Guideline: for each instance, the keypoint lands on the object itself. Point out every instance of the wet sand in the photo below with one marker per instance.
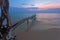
(51, 34)
(37, 32)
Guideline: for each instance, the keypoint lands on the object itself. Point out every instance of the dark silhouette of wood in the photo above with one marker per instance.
(5, 13)
(4, 5)
(22, 21)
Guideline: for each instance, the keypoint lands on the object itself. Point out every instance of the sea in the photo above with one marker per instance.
(47, 18)
(52, 18)
(47, 21)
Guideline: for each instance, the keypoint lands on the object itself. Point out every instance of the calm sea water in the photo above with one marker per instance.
(48, 20)
(15, 17)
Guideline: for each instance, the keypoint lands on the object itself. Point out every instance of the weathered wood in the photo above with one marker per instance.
(13, 27)
(4, 4)
(21, 21)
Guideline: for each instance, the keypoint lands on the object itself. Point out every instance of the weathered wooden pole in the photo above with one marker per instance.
(4, 4)
(5, 13)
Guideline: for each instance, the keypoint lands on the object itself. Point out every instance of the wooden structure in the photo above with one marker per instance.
(4, 5)
(6, 30)
(13, 27)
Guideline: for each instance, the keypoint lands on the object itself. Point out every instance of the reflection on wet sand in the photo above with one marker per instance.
(49, 20)
(46, 27)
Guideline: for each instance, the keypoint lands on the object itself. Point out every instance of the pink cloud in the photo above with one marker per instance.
(47, 6)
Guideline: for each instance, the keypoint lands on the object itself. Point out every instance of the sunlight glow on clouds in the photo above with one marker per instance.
(26, 6)
(43, 6)
(46, 6)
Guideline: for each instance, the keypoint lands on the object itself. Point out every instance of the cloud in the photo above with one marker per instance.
(23, 5)
(47, 6)
(42, 6)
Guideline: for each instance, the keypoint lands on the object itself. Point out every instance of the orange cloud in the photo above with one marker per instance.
(47, 6)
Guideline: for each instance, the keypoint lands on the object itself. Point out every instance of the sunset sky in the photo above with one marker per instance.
(45, 4)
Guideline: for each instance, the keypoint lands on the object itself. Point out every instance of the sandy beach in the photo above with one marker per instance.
(42, 32)
(51, 34)
(45, 28)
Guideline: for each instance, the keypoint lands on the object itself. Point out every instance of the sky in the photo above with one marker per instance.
(44, 4)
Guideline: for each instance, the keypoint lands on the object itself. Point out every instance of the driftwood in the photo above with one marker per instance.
(13, 27)
(4, 5)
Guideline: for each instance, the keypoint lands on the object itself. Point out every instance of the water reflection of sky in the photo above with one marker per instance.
(46, 15)
(49, 19)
